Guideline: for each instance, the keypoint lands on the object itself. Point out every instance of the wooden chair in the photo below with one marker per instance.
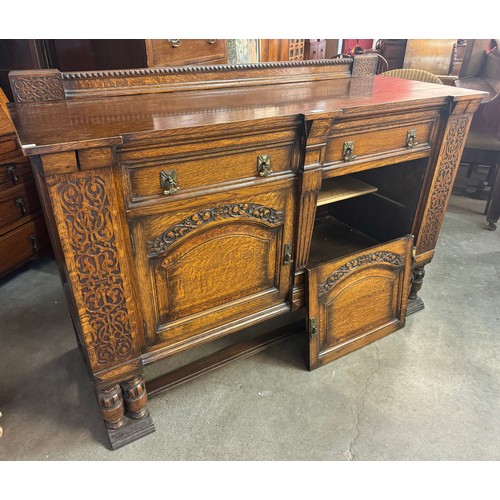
(482, 147)
(420, 75)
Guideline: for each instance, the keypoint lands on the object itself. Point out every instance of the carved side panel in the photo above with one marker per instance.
(37, 85)
(442, 183)
(365, 65)
(91, 241)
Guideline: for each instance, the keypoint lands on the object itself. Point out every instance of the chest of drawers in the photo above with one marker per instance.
(188, 204)
(22, 228)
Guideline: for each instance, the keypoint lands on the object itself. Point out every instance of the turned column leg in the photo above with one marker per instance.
(415, 303)
(111, 404)
(123, 408)
(135, 397)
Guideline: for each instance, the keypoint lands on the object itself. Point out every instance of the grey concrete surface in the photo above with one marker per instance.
(430, 391)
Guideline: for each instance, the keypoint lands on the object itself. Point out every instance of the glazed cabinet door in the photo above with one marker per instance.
(215, 264)
(357, 299)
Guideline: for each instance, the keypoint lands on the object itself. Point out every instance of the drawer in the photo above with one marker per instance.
(14, 172)
(185, 52)
(150, 180)
(21, 244)
(18, 202)
(357, 299)
(374, 139)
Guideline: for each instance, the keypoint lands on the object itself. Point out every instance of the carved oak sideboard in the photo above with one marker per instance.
(185, 204)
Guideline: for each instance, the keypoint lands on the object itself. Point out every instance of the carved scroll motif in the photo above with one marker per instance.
(161, 244)
(443, 183)
(369, 258)
(37, 87)
(86, 210)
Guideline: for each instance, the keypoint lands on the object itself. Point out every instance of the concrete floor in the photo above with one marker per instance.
(428, 392)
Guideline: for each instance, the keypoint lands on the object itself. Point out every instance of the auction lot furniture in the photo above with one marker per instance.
(23, 234)
(185, 204)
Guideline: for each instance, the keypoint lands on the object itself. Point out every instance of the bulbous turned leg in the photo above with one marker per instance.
(415, 303)
(111, 404)
(124, 410)
(135, 396)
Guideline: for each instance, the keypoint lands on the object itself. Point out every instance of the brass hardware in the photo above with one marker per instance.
(411, 138)
(168, 181)
(21, 204)
(33, 239)
(413, 252)
(287, 258)
(312, 327)
(348, 151)
(11, 170)
(264, 165)
(174, 42)
(211, 42)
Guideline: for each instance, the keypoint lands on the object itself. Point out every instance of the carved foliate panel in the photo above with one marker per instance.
(362, 260)
(42, 85)
(160, 245)
(89, 240)
(443, 182)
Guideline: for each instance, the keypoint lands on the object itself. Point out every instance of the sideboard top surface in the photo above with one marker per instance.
(45, 127)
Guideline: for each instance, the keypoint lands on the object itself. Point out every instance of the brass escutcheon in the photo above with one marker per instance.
(174, 42)
(348, 151)
(264, 165)
(168, 181)
(411, 138)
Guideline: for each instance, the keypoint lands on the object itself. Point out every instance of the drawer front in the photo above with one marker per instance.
(182, 52)
(376, 138)
(357, 299)
(18, 202)
(21, 244)
(14, 172)
(153, 180)
(213, 264)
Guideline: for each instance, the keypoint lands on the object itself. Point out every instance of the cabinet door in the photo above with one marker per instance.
(215, 265)
(357, 299)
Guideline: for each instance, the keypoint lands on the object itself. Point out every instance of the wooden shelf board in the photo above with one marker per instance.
(343, 188)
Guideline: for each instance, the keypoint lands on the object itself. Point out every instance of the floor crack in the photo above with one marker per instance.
(350, 454)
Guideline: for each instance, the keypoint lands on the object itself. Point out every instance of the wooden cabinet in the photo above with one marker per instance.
(22, 229)
(188, 204)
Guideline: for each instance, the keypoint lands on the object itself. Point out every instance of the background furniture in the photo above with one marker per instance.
(184, 216)
(23, 234)
(185, 52)
(482, 147)
(418, 75)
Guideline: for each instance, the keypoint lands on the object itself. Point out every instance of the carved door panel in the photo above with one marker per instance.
(357, 299)
(215, 266)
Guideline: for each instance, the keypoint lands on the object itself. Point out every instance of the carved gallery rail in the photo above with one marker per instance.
(187, 204)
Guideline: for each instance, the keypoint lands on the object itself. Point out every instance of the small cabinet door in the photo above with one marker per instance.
(215, 264)
(357, 299)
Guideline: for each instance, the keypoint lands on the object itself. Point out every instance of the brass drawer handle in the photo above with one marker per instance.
(348, 151)
(411, 138)
(168, 182)
(174, 42)
(11, 170)
(33, 239)
(212, 41)
(264, 165)
(20, 203)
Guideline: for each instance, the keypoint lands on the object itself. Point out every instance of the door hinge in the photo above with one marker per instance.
(287, 254)
(312, 327)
